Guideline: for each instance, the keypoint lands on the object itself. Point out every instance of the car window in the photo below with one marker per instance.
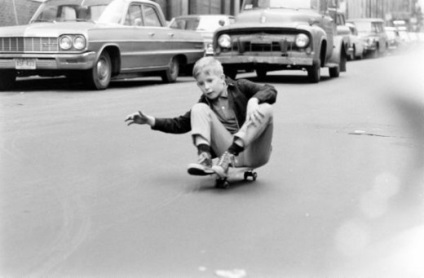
(380, 27)
(377, 27)
(151, 17)
(58, 13)
(187, 23)
(67, 13)
(211, 23)
(112, 13)
(340, 20)
(134, 16)
(94, 12)
(363, 27)
(353, 30)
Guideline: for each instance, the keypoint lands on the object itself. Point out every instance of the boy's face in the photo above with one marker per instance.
(212, 85)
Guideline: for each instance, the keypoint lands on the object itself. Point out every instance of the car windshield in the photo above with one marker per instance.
(391, 34)
(365, 27)
(277, 4)
(208, 23)
(79, 10)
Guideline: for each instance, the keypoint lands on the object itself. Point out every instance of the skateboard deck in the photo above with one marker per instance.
(224, 183)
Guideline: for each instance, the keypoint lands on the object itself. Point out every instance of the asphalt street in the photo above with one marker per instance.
(84, 195)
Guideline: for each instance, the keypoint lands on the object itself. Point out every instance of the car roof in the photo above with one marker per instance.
(204, 15)
(365, 20)
(93, 1)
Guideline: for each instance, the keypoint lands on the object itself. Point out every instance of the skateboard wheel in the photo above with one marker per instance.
(248, 174)
(222, 183)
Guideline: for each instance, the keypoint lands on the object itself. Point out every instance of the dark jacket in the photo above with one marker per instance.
(239, 92)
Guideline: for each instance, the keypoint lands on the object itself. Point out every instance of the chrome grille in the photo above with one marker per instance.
(263, 43)
(29, 44)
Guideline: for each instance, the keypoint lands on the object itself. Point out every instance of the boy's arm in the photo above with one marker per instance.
(181, 124)
(264, 93)
(177, 125)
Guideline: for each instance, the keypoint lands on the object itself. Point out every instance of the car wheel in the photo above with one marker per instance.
(7, 79)
(334, 71)
(171, 74)
(353, 54)
(343, 62)
(100, 75)
(314, 72)
(261, 73)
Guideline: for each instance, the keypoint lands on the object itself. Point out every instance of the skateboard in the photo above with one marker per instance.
(248, 173)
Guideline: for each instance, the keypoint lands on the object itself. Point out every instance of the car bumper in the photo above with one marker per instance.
(368, 47)
(294, 60)
(49, 61)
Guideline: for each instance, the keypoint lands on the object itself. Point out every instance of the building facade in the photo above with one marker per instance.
(14, 12)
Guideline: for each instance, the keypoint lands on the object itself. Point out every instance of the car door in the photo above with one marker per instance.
(143, 39)
(133, 44)
(160, 46)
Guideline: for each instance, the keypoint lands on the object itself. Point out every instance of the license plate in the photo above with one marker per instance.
(25, 63)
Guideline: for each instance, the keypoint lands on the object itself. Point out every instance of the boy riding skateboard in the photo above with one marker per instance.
(232, 120)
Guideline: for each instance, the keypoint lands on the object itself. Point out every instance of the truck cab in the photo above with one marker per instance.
(273, 35)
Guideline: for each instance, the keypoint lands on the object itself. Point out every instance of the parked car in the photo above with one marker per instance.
(343, 30)
(99, 40)
(393, 37)
(206, 25)
(281, 35)
(371, 31)
(357, 43)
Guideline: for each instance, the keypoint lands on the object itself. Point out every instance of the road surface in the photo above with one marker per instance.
(84, 195)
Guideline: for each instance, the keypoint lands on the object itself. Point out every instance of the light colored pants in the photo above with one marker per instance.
(256, 138)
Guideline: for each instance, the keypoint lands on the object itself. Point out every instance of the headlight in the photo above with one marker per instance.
(79, 42)
(224, 41)
(65, 42)
(72, 42)
(302, 40)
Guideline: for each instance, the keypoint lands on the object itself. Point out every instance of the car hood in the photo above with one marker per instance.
(284, 18)
(46, 29)
(206, 35)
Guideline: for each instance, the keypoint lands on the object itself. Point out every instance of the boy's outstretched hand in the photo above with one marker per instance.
(140, 118)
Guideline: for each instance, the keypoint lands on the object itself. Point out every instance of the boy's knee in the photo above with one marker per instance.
(200, 108)
(266, 109)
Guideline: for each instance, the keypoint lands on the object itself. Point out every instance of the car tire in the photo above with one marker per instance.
(7, 79)
(353, 54)
(334, 72)
(100, 75)
(171, 74)
(343, 62)
(314, 72)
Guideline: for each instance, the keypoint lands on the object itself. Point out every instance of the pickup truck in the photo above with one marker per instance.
(273, 35)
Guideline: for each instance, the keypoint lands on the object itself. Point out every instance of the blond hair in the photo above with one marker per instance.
(208, 65)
